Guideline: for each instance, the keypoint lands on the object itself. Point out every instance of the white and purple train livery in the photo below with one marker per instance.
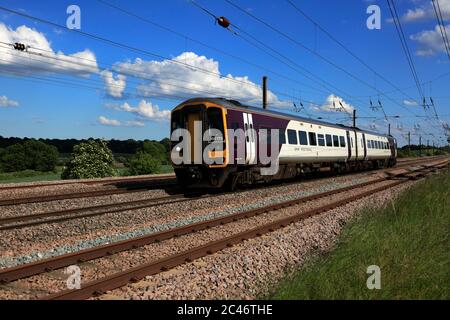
(305, 145)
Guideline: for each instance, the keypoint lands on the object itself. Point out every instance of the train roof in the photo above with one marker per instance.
(236, 105)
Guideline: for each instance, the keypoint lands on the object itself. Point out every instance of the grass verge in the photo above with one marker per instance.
(408, 240)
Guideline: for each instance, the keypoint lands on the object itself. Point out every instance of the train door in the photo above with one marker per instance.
(250, 139)
(356, 146)
(192, 118)
(364, 145)
(393, 147)
(349, 146)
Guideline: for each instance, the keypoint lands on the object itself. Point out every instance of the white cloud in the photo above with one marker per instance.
(145, 110)
(174, 78)
(108, 122)
(336, 104)
(410, 103)
(114, 85)
(135, 124)
(5, 102)
(426, 12)
(116, 123)
(430, 41)
(41, 58)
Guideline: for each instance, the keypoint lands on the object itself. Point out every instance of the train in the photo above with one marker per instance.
(304, 145)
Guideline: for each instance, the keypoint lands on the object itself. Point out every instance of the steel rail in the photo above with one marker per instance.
(78, 195)
(87, 182)
(26, 270)
(97, 193)
(121, 279)
(38, 219)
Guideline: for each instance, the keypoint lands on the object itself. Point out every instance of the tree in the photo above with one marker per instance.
(91, 159)
(143, 163)
(155, 149)
(40, 156)
(29, 155)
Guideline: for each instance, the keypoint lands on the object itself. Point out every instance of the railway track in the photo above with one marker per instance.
(87, 182)
(30, 220)
(122, 278)
(87, 194)
(164, 181)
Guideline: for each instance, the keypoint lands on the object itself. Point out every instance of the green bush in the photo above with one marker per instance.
(29, 155)
(91, 159)
(144, 163)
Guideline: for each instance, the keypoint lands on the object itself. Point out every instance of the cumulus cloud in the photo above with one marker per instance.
(6, 102)
(116, 123)
(41, 58)
(410, 103)
(135, 124)
(335, 104)
(145, 110)
(108, 122)
(426, 12)
(174, 78)
(114, 85)
(430, 41)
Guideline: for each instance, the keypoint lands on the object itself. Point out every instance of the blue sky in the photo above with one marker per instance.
(104, 91)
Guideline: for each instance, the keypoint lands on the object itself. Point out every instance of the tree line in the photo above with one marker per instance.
(89, 158)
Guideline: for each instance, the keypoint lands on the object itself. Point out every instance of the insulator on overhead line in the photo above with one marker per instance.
(223, 22)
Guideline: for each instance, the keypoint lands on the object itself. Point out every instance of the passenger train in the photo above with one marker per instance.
(305, 145)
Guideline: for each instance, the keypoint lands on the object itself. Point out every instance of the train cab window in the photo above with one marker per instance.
(215, 120)
(303, 138)
(312, 138)
(329, 140)
(321, 140)
(282, 137)
(292, 137)
(342, 140)
(335, 141)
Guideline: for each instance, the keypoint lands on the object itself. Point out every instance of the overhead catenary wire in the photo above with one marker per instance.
(404, 44)
(111, 42)
(312, 51)
(440, 21)
(346, 49)
(133, 73)
(221, 51)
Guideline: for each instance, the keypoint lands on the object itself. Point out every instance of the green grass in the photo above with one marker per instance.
(30, 176)
(408, 240)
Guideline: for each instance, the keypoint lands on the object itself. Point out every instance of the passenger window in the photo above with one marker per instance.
(321, 140)
(342, 140)
(282, 137)
(336, 141)
(329, 140)
(303, 138)
(292, 137)
(312, 139)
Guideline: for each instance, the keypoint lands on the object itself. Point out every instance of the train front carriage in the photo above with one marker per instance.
(199, 152)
